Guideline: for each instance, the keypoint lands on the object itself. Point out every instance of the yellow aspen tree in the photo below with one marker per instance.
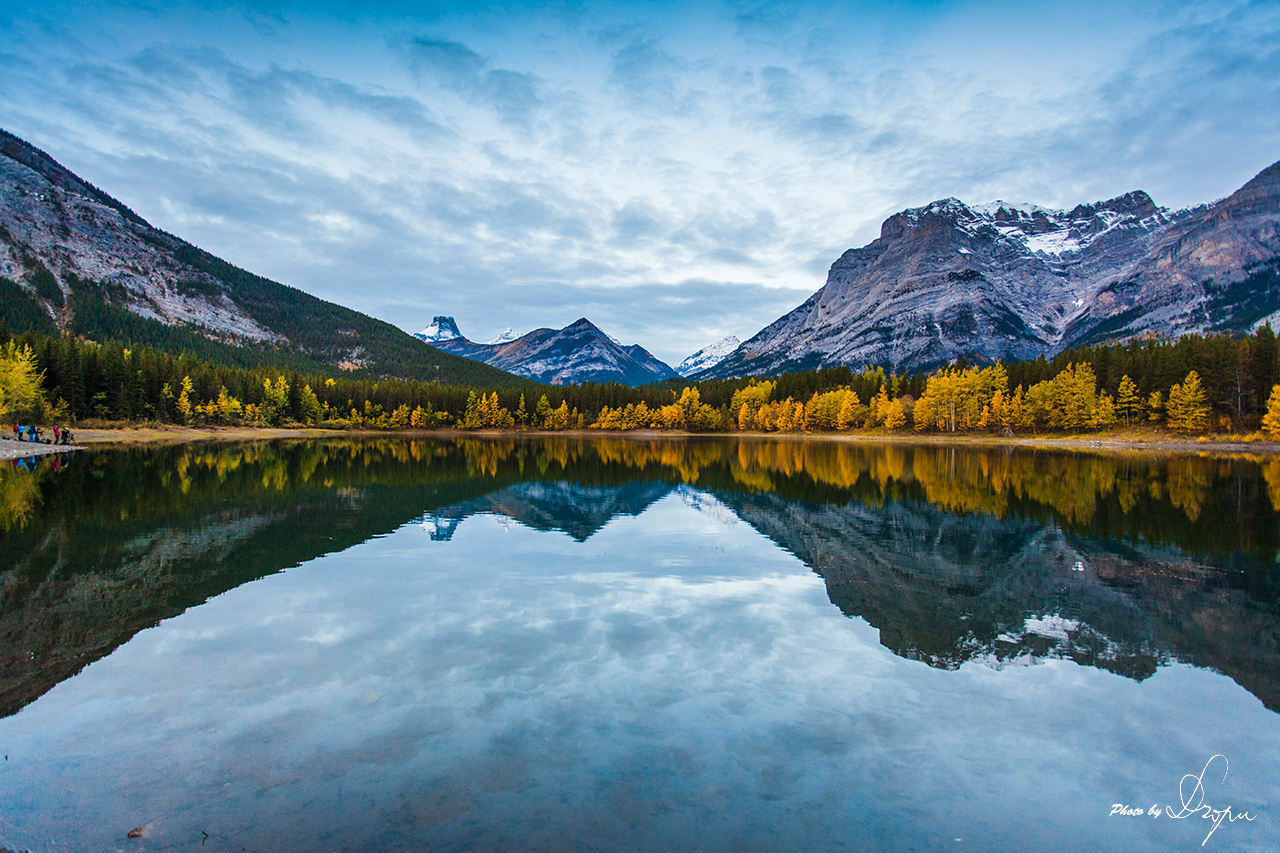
(999, 403)
(1104, 414)
(1187, 410)
(21, 394)
(1013, 409)
(895, 416)
(1155, 407)
(1128, 402)
(184, 399)
(1271, 420)
(848, 411)
(879, 404)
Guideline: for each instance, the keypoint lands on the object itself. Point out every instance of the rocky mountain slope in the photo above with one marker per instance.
(579, 352)
(950, 280)
(708, 356)
(72, 258)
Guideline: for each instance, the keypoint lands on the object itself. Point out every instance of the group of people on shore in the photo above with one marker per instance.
(61, 435)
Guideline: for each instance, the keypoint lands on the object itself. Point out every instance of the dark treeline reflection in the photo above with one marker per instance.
(955, 554)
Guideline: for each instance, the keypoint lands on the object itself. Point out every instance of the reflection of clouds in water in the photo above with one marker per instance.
(556, 694)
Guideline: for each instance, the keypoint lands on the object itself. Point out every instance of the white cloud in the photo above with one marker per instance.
(526, 168)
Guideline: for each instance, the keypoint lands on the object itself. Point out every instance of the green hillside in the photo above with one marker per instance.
(97, 315)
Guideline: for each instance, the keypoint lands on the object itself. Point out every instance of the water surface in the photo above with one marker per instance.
(635, 645)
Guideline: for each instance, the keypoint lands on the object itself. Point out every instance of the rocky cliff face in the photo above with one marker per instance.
(950, 280)
(579, 352)
(708, 357)
(51, 218)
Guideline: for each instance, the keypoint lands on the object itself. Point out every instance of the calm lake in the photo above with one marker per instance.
(630, 645)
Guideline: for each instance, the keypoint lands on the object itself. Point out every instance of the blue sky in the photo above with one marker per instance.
(675, 172)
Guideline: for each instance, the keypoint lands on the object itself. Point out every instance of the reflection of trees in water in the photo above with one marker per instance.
(19, 491)
(1200, 504)
(102, 522)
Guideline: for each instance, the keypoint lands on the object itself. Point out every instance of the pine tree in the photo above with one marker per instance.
(542, 413)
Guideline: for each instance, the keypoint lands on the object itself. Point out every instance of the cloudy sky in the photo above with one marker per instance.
(675, 172)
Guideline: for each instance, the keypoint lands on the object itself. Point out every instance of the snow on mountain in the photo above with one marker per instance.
(708, 356)
(508, 335)
(441, 329)
(580, 352)
(1011, 281)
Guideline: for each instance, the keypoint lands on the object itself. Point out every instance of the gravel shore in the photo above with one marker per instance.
(10, 449)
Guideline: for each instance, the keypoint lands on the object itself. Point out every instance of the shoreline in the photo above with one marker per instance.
(1104, 442)
(11, 449)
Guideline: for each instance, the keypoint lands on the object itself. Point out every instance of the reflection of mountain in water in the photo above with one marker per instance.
(954, 555)
(576, 509)
(946, 589)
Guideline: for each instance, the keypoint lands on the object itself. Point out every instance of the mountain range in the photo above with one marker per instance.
(74, 259)
(943, 282)
(580, 352)
(952, 281)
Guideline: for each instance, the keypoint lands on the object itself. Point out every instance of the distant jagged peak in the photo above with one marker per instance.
(580, 352)
(508, 335)
(442, 328)
(582, 324)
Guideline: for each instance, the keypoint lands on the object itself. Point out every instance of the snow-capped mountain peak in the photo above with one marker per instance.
(441, 329)
(1015, 281)
(708, 356)
(508, 335)
(580, 352)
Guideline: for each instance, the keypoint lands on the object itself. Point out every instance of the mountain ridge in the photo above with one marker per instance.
(948, 281)
(580, 352)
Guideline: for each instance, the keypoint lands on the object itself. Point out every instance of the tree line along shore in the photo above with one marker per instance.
(1196, 385)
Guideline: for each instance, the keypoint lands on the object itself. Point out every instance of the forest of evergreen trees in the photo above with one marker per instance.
(1196, 384)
